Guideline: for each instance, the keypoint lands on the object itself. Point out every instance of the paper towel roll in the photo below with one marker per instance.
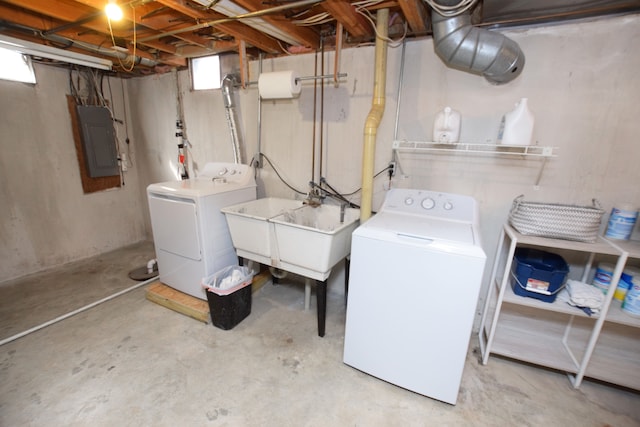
(279, 85)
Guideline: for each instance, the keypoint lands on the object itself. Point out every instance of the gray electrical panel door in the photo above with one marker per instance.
(98, 141)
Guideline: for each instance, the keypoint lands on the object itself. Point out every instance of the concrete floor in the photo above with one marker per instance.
(130, 362)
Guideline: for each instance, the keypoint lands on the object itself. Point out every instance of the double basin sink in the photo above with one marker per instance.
(292, 236)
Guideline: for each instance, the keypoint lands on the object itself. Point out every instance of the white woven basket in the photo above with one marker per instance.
(555, 220)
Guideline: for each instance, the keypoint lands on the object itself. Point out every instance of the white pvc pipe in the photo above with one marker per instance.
(73, 313)
(151, 264)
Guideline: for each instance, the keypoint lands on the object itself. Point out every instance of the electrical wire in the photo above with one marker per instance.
(392, 43)
(280, 177)
(333, 192)
(113, 40)
(461, 7)
(360, 189)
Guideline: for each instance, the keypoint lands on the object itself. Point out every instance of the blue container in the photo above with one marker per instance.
(538, 274)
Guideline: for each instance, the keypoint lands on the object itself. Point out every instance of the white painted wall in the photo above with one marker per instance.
(45, 218)
(581, 79)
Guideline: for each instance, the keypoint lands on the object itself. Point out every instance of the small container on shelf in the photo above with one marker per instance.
(538, 274)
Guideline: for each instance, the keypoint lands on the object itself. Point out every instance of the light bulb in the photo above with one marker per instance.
(113, 11)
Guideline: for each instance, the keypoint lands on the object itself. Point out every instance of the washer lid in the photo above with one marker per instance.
(214, 178)
(421, 227)
(197, 187)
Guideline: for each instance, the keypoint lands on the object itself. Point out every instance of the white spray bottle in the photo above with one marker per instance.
(516, 127)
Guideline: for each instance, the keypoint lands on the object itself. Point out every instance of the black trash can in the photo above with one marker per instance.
(228, 307)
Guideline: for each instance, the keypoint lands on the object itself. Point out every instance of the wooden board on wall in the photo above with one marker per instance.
(89, 184)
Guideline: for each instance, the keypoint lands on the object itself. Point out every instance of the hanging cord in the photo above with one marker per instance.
(392, 43)
(116, 121)
(128, 160)
(113, 40)
(332, 192)
(280, 177)
(181, 132)
(124, 106)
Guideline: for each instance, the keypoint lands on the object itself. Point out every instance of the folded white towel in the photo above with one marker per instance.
(584, 295)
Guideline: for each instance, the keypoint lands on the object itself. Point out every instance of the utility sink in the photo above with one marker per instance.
(288, 235)
(313, 238)
(292, 236)
(251, 234)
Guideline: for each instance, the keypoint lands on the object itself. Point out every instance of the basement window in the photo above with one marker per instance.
(205, 72)
(16, 67)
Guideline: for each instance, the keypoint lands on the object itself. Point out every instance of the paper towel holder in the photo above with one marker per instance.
(302, 78)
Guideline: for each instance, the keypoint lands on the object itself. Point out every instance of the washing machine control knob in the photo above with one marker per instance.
(222, 171)
(447, 206)
(428, 203)
(408, 201)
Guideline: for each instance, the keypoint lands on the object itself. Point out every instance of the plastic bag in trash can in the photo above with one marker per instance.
(227, 278)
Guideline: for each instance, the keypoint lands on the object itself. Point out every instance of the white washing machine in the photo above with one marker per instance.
(416, 272)
(190, 233)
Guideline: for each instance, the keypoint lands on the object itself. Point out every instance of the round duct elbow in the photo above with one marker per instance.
(467, 48)
(228, 82)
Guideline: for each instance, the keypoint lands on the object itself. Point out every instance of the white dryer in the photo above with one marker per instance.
(190, 234)
(416, 271)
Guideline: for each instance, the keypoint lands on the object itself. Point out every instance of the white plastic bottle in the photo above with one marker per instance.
(446, 126)
(517, 125)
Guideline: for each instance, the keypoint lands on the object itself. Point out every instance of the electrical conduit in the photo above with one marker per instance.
(375, 114)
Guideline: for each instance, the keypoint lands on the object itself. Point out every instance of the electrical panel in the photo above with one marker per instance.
(98, 141)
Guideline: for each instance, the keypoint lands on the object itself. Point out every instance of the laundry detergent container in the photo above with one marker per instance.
(538, 274)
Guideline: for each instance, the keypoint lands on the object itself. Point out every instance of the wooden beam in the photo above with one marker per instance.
(147, 16)
(355, 24)
(305, 36)
(177, 301)
(62, 12)
(416, 15)
(26, 19)
(236, 29)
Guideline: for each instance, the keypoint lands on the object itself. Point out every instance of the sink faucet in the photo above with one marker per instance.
(343, 208)
(314, 197)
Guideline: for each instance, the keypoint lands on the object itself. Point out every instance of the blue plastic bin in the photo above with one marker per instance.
(538, 274)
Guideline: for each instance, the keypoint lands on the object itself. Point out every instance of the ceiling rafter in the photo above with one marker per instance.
(236, 29)
(345, 13)
(305, 36)
(168, 32)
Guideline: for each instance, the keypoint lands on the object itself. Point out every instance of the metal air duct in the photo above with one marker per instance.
(476, 50)
(228, 83)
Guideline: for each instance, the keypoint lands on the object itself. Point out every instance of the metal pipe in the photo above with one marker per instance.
(400, 83)
(321, 150)
(375, 114)
(259, 154)
(228, 82)
(313, 137)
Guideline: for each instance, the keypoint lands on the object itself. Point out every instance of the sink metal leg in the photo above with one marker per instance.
(347, 265)
(321, 299)
(307, 293)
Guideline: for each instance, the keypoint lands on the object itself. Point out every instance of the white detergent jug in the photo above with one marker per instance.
(446, 126)
(516, 127)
